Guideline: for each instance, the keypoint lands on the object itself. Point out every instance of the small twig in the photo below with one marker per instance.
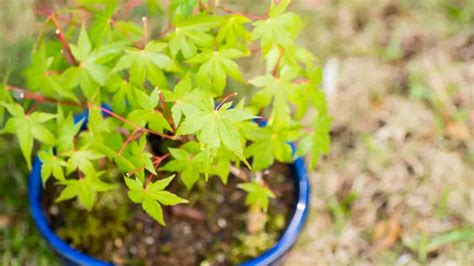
(188, 212)
(124, 120)
(127, 141)
(33, 107)
(166, 110)
(79, 173)
(113, 23)
(241, 174)
(301, 81)
(168, 29)
(277, 65)
(25, 94)
(225, 99)
(252, 17)
(156, 162)
(202, 6)
(135, 171)
(145, 30)
(68, 53)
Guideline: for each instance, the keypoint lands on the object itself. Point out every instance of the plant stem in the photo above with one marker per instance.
(277, 65)
(250, 16)
(127, 141)
(166, 111)
(79, 173)
(156, 162)
(225, 99)
(145, 30)
(68, 53)
(25, 94)
(124, 120)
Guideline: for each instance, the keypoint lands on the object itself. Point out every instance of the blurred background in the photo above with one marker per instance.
(398, 185)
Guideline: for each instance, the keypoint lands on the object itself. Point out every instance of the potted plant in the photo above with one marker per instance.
(132, 120)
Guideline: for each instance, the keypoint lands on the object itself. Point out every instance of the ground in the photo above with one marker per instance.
(398, 185)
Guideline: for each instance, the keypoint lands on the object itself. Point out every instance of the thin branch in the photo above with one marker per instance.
(277, 65)
(25, 94)
(156, 162)
(168, 29)
(79, 173)
(301, 81)
(66, 48)
(166, 111)
(124, 120)
(113, 23)
(250, 16)
(225, 99)
(145, 30)
(127, 141)
(241, 174)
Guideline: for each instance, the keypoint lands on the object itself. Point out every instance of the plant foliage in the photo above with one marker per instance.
(177, 83)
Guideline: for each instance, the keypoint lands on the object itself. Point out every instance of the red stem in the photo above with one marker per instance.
(250, 16)
(69, 56)
(300, 81)
(25, 94)
(124, 120)
(79, 173)
(277, 65)
(127, 141)
(166, 111)
(226, 99)
(156, 162)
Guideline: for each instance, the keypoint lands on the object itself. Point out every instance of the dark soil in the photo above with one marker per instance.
(211, 228)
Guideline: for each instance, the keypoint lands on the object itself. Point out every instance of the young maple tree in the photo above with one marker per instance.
(178, 85)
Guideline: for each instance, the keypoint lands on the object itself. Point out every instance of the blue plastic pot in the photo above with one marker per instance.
(72, 256)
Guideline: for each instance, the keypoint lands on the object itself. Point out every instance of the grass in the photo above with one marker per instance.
(397, 186)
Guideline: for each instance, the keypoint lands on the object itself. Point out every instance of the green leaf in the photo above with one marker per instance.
(270, 143)
(318, 141)
(84, 189)
(153, 208)
(101, 28)
(146, 63)
(28, 128)
(152, 195)
(215, 68)
(51, 165)
(278, 30)
(278, 9)
(84, 43)
(216, 128)
(40, 77)
(167, 198)
(276, 90)
(161, 184)
(154, 7)
(232, 30)
(82, 160)
(191, 34)
(185, 162)
(258, 194)
(181, 9)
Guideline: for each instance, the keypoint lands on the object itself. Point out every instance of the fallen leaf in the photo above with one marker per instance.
(457, 130)
(5, 221)
(386, 234)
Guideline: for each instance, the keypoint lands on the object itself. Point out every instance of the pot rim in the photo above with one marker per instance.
(272, 255)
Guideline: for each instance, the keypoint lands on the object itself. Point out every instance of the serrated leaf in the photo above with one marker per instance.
(84, 189)
(216, 65)
(216, 128)
(153, 208)
(258, 194)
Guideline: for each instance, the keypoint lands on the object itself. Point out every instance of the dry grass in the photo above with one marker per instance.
(400, 174)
